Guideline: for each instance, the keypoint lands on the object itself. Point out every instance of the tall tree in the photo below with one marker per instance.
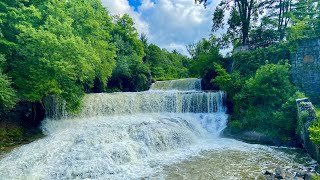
(241, 14)
(93, 24)
(306, 19)
(130, 73)
(8, 97)
(50, 52)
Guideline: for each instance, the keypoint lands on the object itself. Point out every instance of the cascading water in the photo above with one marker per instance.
(128, 136)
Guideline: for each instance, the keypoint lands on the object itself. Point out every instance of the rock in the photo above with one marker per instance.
(297, 178)
(268, 173)
(280, 173)
(317, 169)
(271, 177)
(300, 174)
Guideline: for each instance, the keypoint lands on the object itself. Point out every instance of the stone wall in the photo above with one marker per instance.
(305, 106)
(306, 67)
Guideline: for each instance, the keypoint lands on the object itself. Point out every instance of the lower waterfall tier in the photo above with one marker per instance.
(114, 147)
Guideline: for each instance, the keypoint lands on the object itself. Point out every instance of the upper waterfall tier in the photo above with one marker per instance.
(152, 102)
(188, 84)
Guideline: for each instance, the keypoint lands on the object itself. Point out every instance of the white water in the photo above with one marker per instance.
(127, 136)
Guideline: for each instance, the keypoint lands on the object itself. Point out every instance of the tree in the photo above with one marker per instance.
(8, 97)
(241, 14)
(130, 73)
(267, 101)
(278, 15)
(51, 52)
(204, 54)
(306, 20)
(93, 24)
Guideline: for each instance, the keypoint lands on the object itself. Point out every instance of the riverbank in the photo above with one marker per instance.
(13, 136)
(254, 137)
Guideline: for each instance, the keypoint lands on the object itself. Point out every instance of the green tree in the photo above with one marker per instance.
(50, 54)
(130, 73)
(305, 20)
(241, 16)
(230, 83)
(8, 97)
(267, 102)
(93, 24)
(204, 54)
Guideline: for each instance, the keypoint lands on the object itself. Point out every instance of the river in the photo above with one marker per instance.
(169, 132)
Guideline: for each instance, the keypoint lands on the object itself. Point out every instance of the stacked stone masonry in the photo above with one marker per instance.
(306, 67)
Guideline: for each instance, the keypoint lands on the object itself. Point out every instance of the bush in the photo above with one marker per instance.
(10, 135)
(315, 129)
(8, 96)
(266, 103)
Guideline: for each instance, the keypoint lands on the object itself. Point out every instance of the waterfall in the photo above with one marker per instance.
(122, 135)
(152, 102)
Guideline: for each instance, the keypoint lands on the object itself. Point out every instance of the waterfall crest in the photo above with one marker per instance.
(187, 84)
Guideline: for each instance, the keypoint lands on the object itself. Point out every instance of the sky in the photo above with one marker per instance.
(170, 24)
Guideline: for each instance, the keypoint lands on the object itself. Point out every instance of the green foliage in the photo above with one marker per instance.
(55, 49)
(315, 177)
(10, 135)
(8, 96)
(301, 121)
(300, 30)
(314, 133)
(242, 14)
(92, 24)
(166, 65)
(247, 63)
(305, 21)
(231, 83)
(314, 129)
(67, 48)
(205, 54)
(137, 61)
(130, 73)
(266, 103)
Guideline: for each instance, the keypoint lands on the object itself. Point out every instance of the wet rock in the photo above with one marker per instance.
(317, 169)
(300, 174)
(297, 178)
(268, 173)
(271, 177)
(280, 173)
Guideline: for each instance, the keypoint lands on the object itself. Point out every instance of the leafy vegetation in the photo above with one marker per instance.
(315, 129)
(68, 48)
(257, 80)
(8, 97)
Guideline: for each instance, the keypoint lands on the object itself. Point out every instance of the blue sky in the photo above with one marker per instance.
(170, 24)
(135, 4)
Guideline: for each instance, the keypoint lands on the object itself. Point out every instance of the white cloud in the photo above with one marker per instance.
(117, 7)
(170, 24)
